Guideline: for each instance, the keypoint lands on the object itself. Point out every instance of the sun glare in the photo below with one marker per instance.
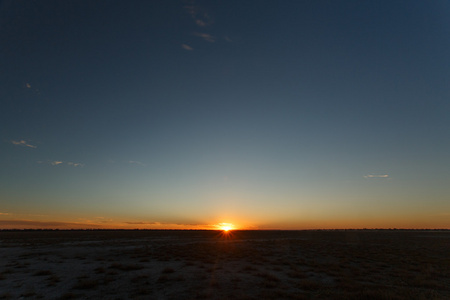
(225, 226)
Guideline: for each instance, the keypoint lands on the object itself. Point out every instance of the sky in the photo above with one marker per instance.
(192, 114)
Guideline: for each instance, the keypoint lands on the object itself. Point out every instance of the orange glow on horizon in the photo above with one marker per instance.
(72, 222)
(225, 226)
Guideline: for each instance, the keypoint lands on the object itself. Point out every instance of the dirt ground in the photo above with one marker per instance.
(352, 264)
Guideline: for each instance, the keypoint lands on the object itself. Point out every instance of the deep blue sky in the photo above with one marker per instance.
(266, 114)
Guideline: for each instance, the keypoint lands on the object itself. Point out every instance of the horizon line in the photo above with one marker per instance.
(193, 229)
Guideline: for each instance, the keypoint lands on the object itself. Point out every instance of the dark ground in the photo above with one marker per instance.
(353, 264)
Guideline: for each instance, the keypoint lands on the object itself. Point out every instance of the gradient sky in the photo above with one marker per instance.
(187, 114)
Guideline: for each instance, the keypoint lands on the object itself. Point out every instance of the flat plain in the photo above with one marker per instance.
(147, 264)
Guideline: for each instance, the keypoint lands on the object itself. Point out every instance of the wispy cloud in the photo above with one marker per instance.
(104, 220)
(29, 224)
(22, 215)
(206, 36)
(95, 221)
(200, 16)
(4, 214)
(75, 164)
(187, 47)
(163, 225)
(376, 176)
(136, 162)
(143, 223)
(60, 162)
(23, 143)
(200, 22)
(32, 90)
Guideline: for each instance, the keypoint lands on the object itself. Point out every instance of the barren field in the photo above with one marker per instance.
(385, 264)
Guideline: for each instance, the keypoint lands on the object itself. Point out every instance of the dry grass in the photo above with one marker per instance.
(163, 278)
(139, 278)
(86, 284)
(69, 295)
(251, 265)
(7, 271)
(30, 293)
(6, 295)
(168, 270)
(126, 267)
(53, 280)
(99, 270)
(43, 273)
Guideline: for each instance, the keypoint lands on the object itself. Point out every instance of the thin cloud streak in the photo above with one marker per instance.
(187, 47)
(143, 223)
(27, 224)
(200, 23)
(96, 224)
(164, 225)
(23, 143)
(75, 164)
(200, 16)
(206, 36)
(60, 162)
(21, 215)
(376, 176)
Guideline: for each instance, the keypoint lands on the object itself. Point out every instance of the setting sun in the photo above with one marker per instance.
(225, 226)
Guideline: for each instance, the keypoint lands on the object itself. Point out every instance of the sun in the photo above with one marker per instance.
(225, 226)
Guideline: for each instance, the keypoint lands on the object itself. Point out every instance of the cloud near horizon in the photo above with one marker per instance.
(90, 224)
(28, 224)
(143, 223)
(173, 225)
(23, 143)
